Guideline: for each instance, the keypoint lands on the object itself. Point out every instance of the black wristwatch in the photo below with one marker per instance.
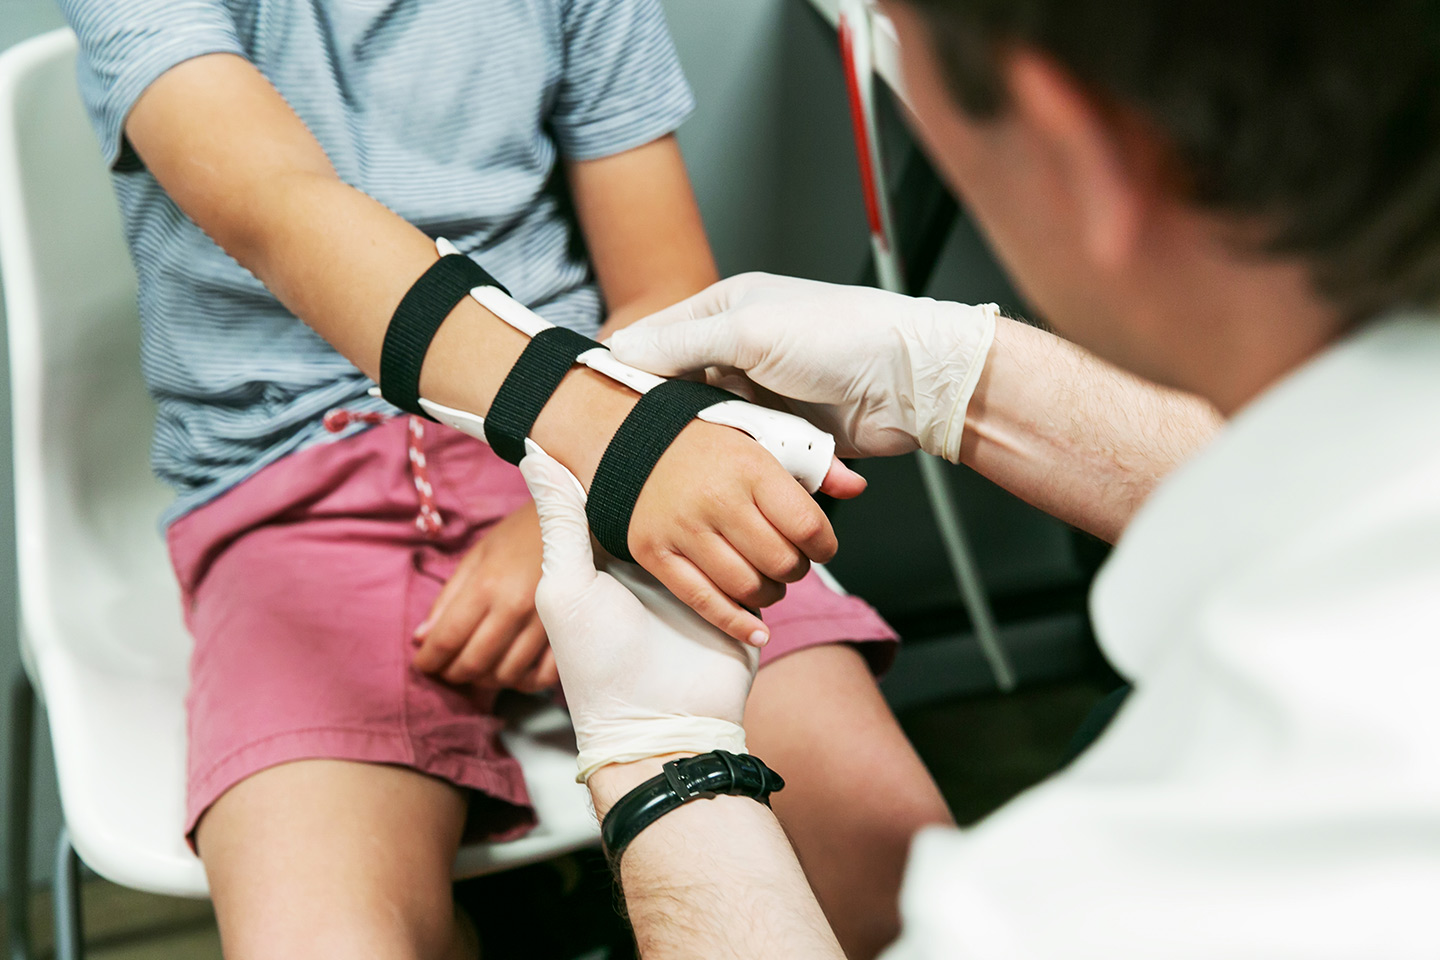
(710, 775)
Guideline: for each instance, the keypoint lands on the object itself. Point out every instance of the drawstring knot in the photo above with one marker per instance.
(428, 520)
(339, 419)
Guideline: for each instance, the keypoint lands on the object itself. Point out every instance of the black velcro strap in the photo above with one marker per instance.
(416, 321)
(528, 387)
(637, 446)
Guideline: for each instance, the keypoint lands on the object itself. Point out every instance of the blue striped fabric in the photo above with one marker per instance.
(450, 112)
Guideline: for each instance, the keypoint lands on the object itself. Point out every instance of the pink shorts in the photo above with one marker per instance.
(302, 587)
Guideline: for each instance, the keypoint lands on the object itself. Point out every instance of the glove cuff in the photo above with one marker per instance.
(945, 379)
(639, 739)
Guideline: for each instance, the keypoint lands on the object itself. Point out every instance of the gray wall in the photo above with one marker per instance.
(770, 154)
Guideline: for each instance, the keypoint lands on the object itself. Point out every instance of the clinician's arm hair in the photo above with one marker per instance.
(1073, 435)
(715, 880)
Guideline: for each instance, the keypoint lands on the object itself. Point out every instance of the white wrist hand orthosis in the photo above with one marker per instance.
(805, 451)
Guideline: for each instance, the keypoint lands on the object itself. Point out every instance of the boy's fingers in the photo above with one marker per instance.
(757, 540)
(729, 570)
(448, 636)
(544, 675)
(524, 651)
(485, 646)
(699, 593)
(453, 587)
(798, 518)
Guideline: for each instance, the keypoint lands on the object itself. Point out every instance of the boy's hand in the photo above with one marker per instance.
(483, 628)
(644, 675)
(720, 521)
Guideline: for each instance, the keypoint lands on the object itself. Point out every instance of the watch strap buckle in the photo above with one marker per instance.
(686, 787)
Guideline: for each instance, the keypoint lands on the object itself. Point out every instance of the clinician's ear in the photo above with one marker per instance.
(1094, 155)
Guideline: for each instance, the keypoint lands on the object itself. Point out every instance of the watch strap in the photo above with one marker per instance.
(703, 777)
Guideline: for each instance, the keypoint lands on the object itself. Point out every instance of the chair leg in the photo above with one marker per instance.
(17, 819)
(69, 930)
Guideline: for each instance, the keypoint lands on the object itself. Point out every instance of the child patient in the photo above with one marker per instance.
(360, 584)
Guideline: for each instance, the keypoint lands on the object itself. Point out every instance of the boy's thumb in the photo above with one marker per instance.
(563, 528)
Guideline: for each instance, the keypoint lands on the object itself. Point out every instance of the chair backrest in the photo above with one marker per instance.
(93, 574)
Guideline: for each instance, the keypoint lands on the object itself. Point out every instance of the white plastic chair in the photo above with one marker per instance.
(100, 629)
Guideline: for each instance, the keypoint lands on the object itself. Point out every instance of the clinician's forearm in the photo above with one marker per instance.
(234, 157)
(715, 880)
(1074, 436)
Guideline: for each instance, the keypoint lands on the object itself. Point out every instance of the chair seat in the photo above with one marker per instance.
(120, 752)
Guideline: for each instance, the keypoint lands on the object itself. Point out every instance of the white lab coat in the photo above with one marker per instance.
(1272, 788)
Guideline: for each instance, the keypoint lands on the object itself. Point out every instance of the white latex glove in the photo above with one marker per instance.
(883, 372)
(643, 674)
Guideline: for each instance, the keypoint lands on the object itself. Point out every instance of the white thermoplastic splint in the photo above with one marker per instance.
(804, 450)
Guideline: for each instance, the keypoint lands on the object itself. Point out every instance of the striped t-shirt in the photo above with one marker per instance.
(450, 112)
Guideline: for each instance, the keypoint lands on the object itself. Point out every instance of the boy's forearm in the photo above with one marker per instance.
(362, 274)
(1076, 437)
(714, 879)
(260, 186)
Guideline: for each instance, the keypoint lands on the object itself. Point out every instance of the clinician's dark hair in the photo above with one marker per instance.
(1319, 119)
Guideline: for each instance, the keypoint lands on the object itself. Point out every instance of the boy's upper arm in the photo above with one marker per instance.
(622, 85)
(222, 142)
(125, 45)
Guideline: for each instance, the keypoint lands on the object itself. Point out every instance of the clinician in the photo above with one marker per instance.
(1239, 199)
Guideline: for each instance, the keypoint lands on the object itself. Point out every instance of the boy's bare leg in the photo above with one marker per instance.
(855, 790)
(326, 858)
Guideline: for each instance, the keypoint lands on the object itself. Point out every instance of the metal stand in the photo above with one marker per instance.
(17, 814)
(962, 565)
(931, 222)
(69, 929)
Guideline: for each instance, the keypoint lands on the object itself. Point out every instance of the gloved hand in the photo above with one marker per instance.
(882, 372)
(643, 674)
